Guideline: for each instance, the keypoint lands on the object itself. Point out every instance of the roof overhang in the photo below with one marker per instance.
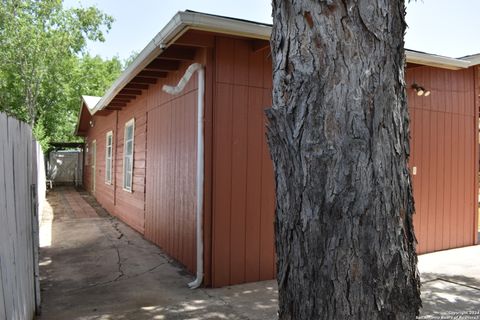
(184, 21)
(474, 59)
(434, 60)
(176, 27)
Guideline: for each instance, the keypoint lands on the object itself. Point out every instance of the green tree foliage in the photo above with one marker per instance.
(43, 65)
(85, 75)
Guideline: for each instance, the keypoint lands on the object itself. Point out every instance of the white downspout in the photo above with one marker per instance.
(200, 154)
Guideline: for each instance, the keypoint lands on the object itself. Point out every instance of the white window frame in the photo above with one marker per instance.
(93, 164)
(108, 160)
(129, 123)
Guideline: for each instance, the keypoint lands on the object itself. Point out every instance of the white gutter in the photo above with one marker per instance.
(474, 59)
(179, 24)
(436, 61)
(183, 21)
(147, 55)
(206, 22)
(200, 155)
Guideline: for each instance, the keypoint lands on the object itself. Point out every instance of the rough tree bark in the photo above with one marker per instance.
(339, 138)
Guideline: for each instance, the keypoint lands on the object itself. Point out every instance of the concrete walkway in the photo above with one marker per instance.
(451, 284)
(95, 267)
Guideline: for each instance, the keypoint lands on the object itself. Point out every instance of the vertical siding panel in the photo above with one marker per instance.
(158, 132)
(240, 65)
(255, 69)
(268, 206)
(432, 185)
(225, 49)
(440, 174)
(210, 89)
(222, 178)
(441, 96)
(168, 169)
(461, 102)
(429, 101)
(254, 176)
(445, 157)
(419, 187)
(469, 167)
(448, 96)
(150, 167)
(171, 180)
(190, 181)
(425, 146)
(462, 190)
(175, 168)
(447, 186)
(250, 220)
(456, 181)
(239, 184)
(464, 167)
(179, 178)
(239, 162)
(186, 232)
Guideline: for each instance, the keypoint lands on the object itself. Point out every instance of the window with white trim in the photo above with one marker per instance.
(128, 155)
(108, 157)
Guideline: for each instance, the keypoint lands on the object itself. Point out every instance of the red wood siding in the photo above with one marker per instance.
(442, 149)
(239, 183)
(103, 192)
(128, 206)
(171, 168)
(243, 185)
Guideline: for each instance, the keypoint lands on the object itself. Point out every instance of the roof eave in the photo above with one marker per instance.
(83, 103)
(147, 55)
(177, 26)
(473, 59)
(436, 61)
(79, 118)
(184, 21)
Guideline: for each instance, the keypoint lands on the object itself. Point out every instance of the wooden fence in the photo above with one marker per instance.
(21, 185)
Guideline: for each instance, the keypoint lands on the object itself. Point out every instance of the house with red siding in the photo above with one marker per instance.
(176, 148)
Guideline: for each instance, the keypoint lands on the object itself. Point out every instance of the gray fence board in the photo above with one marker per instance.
(6, 296)
(19, 159)
(8, 256)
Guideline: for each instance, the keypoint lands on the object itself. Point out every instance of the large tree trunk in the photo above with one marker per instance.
(339, 138)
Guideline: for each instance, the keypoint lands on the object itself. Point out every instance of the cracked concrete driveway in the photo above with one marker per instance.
(95, 267)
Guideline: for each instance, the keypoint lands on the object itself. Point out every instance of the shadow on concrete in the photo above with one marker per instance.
(445, 299)
(99, 268)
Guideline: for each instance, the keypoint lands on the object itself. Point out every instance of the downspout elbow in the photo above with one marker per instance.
(200, 159)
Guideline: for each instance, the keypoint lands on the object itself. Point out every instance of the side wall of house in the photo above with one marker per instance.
(243, 184)
(171, 166)
(103, 191)
(239, 183)
(443, 130)
(129, 206)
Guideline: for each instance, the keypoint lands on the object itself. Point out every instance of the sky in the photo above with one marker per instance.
(444, 27)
